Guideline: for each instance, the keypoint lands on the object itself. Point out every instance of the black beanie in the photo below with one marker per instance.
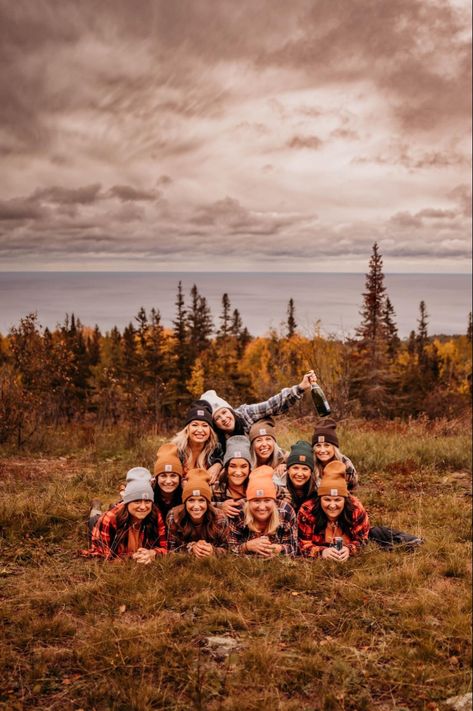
(325, 431)
(301, 453)
(201, 411)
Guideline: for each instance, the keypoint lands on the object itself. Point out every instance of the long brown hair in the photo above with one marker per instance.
(210, 531)
(149, 526)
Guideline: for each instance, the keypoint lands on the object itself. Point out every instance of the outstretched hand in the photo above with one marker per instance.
(309, 379)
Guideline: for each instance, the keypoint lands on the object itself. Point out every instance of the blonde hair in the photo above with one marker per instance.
(271, 526)
(181, 440)
(319, 467)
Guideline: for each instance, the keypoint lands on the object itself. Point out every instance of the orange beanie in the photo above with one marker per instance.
(167, 460)
(197, 484)
(333, 482)
(261, 484)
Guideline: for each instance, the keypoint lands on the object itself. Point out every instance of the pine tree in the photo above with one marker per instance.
(291, 320)
(393, 341)
(224, 329)
(181, 347)
(199, 325)
(422, 337)
(469, 330)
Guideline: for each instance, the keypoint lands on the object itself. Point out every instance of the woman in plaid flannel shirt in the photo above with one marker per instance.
(332, 514)
(263, 526)
(133, 529)
(196, 526)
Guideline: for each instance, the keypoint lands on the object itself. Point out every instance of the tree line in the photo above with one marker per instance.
(146, 375)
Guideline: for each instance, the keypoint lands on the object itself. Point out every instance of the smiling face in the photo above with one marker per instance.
(332, 506)
(138, 510)
(262, 509)
(225, 419)
(168, 482)
(238, 471)
(324, 452)
(198, 432)
(196, 506)
(263, 447)
(299, 474)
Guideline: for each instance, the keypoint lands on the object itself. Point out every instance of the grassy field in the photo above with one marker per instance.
(385, 631)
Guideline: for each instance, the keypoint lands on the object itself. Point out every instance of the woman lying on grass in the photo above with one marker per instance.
(264, 526)
(300, 480)
(168, 477)
(332, 514)
(196, 526)
(326, 449)
(132, 529)
(229, 492)
(197, 442)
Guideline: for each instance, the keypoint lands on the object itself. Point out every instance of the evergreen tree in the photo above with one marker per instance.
(422, 337)
(393, 341)
(181, 347)
(224, 329)
(291, 320)
(199, 324)
(469, 330)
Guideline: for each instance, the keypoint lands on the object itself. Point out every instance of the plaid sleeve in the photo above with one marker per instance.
(103, 535)
(305, 531)
(174, 541)
(361, 528)
(288, 530)
(220, 545)
(162, 536)
(351, 473)
(282, 494)
(236, 533)
(276, 405)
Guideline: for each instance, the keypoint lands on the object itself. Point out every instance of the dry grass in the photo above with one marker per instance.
(386, 631)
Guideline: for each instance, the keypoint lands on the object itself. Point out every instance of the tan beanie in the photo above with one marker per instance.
(167, 460)
(197, 484)
(333, 482)
(261, 429)
(261, 484)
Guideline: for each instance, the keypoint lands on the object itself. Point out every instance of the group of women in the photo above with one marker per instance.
(224, 486)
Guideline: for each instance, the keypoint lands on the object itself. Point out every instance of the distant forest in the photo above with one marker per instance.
(145, 376)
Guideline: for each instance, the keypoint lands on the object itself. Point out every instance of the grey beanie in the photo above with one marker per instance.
(138, 474)
(238, 447)
(215, 402)
(138, 490)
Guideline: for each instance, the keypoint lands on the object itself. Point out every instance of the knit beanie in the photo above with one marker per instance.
(333, 482)
(137, 490)
(261, 484)
(215, 402)
(197, 484)
(238, 447)
(167, 460)
(200, 411)
(301, 453)
(138, 474)
(325, 431)
(262, 428)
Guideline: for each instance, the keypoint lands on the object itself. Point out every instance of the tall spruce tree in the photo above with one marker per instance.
(393, 341)
(291, 319)
(371, 377)
(181, 347)
(199, 325)
(225, 318)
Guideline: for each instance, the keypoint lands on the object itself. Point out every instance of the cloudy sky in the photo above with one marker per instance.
(222, 135)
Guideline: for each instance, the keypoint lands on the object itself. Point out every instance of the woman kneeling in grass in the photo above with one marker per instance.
(196, 526)
(229, 493)
(133, 529)
(332, 514)
(263, 526)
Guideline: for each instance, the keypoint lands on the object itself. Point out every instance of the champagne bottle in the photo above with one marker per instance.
(319, 400)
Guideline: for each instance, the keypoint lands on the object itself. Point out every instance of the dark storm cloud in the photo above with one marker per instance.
(19, 209)
(126, 193)
(85, 195)
(300, 142)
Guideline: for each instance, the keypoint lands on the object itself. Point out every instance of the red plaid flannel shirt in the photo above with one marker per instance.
(177, 544)
(109, 544)
(312, 544)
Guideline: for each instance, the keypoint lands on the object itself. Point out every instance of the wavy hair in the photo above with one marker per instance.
(208, 530)
(345, 520)
(319, 467)
(271, 526)
(309, 490)
(149, 526)
(181, 440)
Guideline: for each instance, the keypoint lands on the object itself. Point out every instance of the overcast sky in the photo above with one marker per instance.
(235, 134)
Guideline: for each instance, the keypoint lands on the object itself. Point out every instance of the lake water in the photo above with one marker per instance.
(114, 298)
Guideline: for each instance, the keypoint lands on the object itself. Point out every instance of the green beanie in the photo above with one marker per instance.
(301, 453)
